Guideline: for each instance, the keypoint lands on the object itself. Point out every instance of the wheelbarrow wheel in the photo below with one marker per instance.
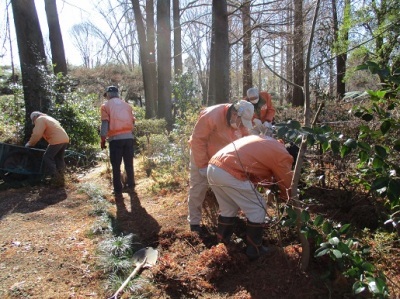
(18, 166)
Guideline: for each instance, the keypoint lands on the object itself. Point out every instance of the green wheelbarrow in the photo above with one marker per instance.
(20, 163)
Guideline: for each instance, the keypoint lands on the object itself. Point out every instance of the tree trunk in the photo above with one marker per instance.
(56, 40)
(289, 58)
(247, 49)
(148, 83)
(298, 61)
(221, 52)
(178, 65)
(341, 58)
(32, 59)
(164, 61)
(151, 42)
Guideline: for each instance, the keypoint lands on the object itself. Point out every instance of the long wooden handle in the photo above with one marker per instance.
(134, 272)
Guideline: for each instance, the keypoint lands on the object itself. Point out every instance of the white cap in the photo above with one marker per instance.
(253, 92)
(36, 114)
(246, 111)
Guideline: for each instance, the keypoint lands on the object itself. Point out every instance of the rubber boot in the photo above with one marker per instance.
(254, 234)
(196, 228)
(225, 229)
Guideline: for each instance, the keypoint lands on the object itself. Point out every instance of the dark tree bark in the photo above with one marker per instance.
(178, 65)
(219, 62)
(32, 59)
(55, 36)
(341, 58)
(146, 62)
(247, 49)
(151, 42)
(298, 51)
(289, 57)
(164, 61)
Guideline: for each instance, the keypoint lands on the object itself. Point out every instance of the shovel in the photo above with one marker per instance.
(143, 258)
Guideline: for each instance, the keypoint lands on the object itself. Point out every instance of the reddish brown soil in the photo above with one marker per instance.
(46, 250)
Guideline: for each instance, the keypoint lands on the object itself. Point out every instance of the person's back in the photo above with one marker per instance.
(119, 115)
(117, 124)
(257, 159)
(50, 129)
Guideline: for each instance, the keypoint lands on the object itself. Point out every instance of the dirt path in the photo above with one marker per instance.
(46, 250)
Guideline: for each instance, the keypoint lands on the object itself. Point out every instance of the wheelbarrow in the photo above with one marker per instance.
(19, 163)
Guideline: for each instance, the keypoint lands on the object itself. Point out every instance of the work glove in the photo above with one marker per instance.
(203, 172)
(103, 142)
(268, 129)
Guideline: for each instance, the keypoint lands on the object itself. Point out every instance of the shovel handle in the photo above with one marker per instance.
(134, 272)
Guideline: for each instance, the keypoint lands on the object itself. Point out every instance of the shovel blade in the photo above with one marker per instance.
(148, 253)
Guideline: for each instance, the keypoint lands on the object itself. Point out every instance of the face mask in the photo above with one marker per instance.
(255, 101)
(233, 123)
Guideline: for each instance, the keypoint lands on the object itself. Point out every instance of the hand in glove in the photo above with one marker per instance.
(258, 126)
(203, 172)
(103, 142)
(257, 122)
(268, 129)
(268, 125)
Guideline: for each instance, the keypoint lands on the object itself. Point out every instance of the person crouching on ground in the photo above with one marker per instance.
(117, 123)
(216, 126)
(233, 173)
(49, 129)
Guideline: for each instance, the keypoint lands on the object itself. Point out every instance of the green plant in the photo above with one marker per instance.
(378, 142)
(78, 116)
(348, 255)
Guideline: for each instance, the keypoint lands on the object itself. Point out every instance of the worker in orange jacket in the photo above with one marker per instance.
(216, 126)
(264, 111)
(117, 123)
(49, 129)
(233, 173)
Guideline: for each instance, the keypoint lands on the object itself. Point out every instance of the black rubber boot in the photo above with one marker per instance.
(196, 228)
(225, 229)
(254, 234)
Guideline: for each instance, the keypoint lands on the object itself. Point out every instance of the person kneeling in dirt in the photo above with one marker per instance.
(232, 174)
(58, 140)
(217, 126)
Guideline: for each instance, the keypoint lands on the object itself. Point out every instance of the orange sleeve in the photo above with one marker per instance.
(268, 112)
(200, 138)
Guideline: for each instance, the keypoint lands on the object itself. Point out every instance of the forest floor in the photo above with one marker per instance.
(47, 251)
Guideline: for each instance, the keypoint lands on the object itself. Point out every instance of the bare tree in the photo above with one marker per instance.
(219, 62)
(178, 65)
(298, 51)
(56, 41)
(247, 49)
(147, 60)
(85, 38)
(164, 61)
(32, 59)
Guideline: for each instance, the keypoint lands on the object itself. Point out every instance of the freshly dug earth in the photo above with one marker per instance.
(47, 250)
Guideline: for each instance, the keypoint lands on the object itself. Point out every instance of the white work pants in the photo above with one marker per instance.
(198, 186)
(233, 194)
